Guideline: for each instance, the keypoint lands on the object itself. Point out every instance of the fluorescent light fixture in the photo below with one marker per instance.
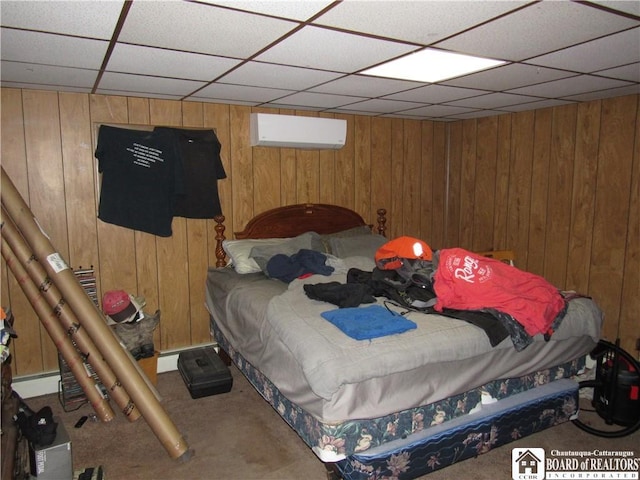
(431, 66)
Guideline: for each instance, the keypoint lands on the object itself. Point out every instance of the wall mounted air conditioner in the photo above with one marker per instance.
(291, 131)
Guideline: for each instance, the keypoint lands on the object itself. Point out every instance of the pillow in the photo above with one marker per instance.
(361, 245)
(261, 254)
(239, 250)
(350, 232)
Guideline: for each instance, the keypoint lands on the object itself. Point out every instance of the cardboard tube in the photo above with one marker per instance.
(57, 334)
(92, 321)
(67, 318)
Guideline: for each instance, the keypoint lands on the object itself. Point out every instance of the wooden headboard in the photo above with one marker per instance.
(293, 220)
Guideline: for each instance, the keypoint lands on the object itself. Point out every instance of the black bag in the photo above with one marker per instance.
(39, 428)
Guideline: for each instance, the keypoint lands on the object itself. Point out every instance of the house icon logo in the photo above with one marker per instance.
(527, 464)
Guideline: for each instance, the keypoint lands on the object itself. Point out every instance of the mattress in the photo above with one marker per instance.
(333, 442)
(334, 378)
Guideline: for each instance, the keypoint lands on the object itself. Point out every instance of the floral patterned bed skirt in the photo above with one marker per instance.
(332, 442)
(467, 437)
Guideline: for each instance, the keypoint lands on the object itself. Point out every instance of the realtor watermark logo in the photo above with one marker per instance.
(535, 464)
(527, 463)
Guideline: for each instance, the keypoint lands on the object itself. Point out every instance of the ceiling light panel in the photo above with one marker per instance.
(431, 66)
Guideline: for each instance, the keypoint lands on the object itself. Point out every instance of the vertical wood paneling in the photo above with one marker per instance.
(381, 187)
(584, 191)
(503, 166)
(426, 183)
(45, 176)
(412, 178)
(396, 208)
(327, 166)
(197, 251)
(439, 185)
(468, 183)
(216, 116)
(266, 175)
(520, 185)
(629, 326)
(615, 159)
(540, 189)
(345, 167)
(242, 179)
(308, 173)
(362, 166)
(560, 176)
(27, 355)
(77, 159)
(486, 183)
(454, 182)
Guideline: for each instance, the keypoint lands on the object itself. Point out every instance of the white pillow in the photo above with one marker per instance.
(239, 250)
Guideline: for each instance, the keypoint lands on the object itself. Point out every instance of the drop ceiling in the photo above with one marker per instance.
(308, 55)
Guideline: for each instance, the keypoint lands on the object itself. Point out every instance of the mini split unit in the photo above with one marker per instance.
(291, 131)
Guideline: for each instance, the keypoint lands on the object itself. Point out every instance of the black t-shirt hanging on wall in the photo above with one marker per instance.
(200, 153)
(141, 177)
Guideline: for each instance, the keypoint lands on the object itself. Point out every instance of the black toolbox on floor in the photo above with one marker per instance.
(204, 372)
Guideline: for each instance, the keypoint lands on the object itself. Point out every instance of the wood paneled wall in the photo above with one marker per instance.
(559, 186)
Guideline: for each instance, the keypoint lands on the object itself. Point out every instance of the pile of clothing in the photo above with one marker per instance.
(132, 325)
(497, 297)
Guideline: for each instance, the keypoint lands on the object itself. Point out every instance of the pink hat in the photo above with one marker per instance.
(118, 305)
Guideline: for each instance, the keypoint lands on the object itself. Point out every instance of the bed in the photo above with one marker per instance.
(401, 404)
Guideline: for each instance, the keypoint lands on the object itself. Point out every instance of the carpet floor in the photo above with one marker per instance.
(237, 435)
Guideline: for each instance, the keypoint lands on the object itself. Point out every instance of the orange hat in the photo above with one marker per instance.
(389, 256)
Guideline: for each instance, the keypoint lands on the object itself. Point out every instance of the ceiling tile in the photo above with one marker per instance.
(493, 100)
(364, 86)
(202, 28)
(30, 73)
(435, 94)
(507, 77)
(628, 72)
(50, 49)
(383, 106)
(614, 92)
(569, 86)
(129, 93)
(437, 110)
(535, 105)
(241, 92)
(541, 27)
(476, 114)
(278, 76)
(95, 19)
(612, 51)
(311, 99)
(340, 52)
(284, 9)
(139, 83)
(419, 22)
(628, 6)
(167, 63)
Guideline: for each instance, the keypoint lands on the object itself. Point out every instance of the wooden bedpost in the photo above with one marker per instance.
(219, 228)
(382, 221)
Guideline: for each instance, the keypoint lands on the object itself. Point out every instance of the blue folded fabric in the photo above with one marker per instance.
(363, 323)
